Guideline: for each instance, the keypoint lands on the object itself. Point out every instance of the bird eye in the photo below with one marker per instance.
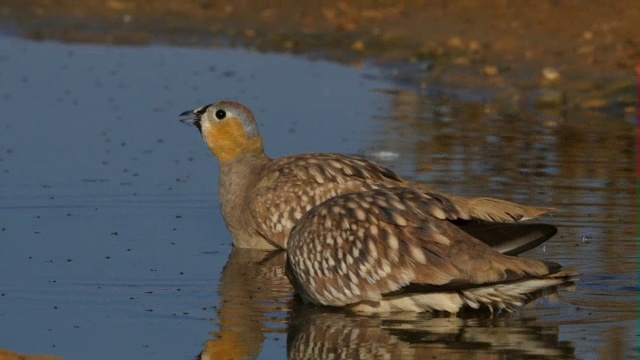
(221, 114)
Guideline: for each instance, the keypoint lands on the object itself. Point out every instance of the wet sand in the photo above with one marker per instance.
(556, 54)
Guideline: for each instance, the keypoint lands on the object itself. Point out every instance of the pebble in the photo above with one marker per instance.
(474, 46)
(594, 104)
(550, 74)
(490, 70)
(455, 43)
(358, 46)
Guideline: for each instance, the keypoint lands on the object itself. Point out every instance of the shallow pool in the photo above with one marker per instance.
(112, 244)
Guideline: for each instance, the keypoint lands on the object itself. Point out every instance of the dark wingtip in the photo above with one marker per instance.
(511, 238)
(553, 267)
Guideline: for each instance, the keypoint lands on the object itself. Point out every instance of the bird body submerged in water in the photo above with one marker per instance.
(399, 249)
(358, 236)
(262, 198)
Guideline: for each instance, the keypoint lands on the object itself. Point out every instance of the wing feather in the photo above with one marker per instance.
(304, 181)
(406, 240)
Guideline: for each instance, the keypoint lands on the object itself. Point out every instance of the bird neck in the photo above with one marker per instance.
(228, 141)
(237, 179)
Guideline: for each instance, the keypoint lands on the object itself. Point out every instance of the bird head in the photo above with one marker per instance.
(229, 129)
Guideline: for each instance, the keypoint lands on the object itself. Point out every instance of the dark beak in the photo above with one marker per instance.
(191, 117)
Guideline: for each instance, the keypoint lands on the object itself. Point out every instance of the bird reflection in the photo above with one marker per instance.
(257, 300)
(318, 333)
(254, 295)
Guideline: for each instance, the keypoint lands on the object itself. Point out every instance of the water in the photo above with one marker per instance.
(112, 244)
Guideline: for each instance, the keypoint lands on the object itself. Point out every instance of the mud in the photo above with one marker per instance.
(552, 53)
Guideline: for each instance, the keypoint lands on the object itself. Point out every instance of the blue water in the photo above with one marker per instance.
(112, 244)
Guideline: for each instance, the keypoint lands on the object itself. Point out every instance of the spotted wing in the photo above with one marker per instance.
(293, 185)
(361, 246)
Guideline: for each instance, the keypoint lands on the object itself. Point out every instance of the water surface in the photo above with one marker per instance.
(112, 244)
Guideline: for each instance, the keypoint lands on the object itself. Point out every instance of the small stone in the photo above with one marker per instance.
(347, 26)
(490, 70)
(455, 43)
(550, 74)
(358, 46)
(474, 46)
(250, 33)
(594, 104)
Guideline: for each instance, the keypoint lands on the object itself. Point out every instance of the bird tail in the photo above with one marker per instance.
(512, 295)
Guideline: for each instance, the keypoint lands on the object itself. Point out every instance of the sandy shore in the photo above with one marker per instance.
(577, 54)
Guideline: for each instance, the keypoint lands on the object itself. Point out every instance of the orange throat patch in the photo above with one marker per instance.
(227, 140)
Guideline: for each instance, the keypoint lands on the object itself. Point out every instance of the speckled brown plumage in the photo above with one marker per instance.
(398, 249)
(262, 198)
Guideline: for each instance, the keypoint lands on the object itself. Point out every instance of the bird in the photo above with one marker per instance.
(321, 333)
(262, 198)
(400, 249)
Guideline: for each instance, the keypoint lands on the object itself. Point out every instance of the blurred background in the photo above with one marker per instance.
(111, 239)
